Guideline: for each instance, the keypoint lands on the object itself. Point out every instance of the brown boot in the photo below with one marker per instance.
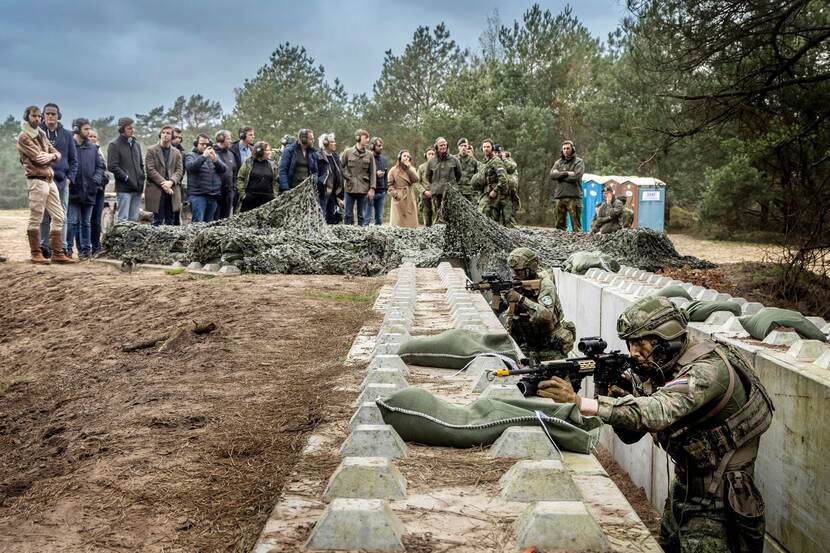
(56, 245)
(34, 247)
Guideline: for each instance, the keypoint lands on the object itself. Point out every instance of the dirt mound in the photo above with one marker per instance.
(178, 447)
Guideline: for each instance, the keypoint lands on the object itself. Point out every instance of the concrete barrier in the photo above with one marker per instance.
(792, 470)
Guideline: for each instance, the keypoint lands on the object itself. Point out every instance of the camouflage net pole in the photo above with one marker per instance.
(290, 235)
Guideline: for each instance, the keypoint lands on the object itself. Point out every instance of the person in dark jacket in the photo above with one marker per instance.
(298, 161)
(227, 199)
(381, 185)
(125, 162)
(96, 225)
(65, 168)
(566, 175)
(177, 143)
(243, 148)
(204, 183)
(443, 171)
(330, 180)
(609, 214)
(83, 190)
(257, 182)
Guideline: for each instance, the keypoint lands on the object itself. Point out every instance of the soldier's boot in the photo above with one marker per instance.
(34, 247)
(56, 245)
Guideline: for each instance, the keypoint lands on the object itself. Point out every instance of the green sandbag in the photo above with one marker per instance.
(699, 310)
(419, 416)
(453, 349)
(579, 262)
(769, 318)
(673, 291)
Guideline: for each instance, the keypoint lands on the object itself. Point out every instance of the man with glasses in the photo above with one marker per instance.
(64, 169)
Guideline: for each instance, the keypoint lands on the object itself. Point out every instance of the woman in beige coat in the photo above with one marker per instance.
(404, 211)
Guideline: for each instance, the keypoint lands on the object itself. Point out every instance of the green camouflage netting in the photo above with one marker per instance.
(289, 235)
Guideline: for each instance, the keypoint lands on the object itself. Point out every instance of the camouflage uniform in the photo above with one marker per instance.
(492, 175)
(627, 217)
(709, 417)
(424, 204)
(608, 218)
(512, 206)
(567, 190)
(538, 323)
(469, 167)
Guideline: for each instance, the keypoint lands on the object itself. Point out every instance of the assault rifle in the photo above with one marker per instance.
(606, 368)
(494, 283)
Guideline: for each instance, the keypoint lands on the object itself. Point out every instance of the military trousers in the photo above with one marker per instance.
(425, 211)
(562, 207)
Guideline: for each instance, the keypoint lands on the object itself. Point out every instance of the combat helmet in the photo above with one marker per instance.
(652, 316)
(523, 258)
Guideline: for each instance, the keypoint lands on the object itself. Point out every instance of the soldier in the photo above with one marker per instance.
(492, 180)
(469, 167)
(423, 191)
(566, 174)
(512, 206)
(708, 411)
(609, 214)
(537, 322)
(443, 171)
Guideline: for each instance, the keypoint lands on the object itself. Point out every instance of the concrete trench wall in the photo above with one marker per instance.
(367, 504)
(792, 470)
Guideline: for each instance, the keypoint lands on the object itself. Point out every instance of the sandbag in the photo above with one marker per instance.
(419, 416)
(699, 310)
(579, 262)
(770, 318)
(673, 291)
(453, 349)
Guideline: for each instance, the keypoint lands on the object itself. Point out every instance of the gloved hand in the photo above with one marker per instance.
(559, 390)
(512, 296)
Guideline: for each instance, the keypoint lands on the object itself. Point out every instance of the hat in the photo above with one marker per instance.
(462, 141)
(497, 148)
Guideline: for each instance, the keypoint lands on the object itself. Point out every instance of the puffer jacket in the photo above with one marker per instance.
(90, 175)
(203, 175)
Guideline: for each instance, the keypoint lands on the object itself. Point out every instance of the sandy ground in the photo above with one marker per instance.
(181, 450)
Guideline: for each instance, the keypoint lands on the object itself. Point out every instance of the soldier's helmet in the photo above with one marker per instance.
(523, 258)
(652, 316)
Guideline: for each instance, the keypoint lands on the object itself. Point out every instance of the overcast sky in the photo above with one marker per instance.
(112, 57)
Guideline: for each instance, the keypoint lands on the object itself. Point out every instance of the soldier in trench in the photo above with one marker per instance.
(707, 409)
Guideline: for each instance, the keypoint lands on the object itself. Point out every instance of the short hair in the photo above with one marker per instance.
(428, 150)
(177, 130)
(78, 123)
(165, 127)
(326, 139)
(243, 131)
(202, 135)
(490, 140)
(123, 123)
(360, 132)
(220, 133)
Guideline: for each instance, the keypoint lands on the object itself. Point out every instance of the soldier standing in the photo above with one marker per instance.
(708, 411)
(423, 191)
(443, 171)
(567, 188)
(492, 180)
(469, 167)
(536, 321)
(512, 206)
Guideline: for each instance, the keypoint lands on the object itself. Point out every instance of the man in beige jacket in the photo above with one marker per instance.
(37, 156)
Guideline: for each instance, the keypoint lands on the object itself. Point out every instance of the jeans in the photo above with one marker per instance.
(129, 204)
(165, 214)
(362, 203)
(377, 204)
(79, 228)
(204, 208)
(96, 222)
(63, 192)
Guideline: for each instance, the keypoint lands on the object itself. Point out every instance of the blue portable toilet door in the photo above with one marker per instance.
(591, 197)
(652, 201)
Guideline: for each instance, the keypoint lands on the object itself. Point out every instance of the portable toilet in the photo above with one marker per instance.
(592, 186)
(651, 201)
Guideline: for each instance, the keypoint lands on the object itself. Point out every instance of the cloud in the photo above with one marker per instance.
(110, 58)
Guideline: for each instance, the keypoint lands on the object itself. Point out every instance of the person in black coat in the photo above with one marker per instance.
(83, 190)
(126, 163)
